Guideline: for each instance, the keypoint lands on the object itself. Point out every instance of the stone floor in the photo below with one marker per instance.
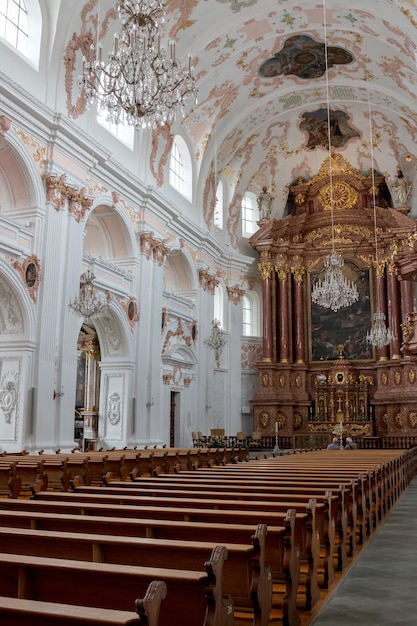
(380, 588)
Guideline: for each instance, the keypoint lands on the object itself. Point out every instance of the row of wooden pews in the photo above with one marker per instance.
(260, 540)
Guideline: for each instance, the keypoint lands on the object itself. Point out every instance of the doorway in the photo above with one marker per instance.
(174, 418)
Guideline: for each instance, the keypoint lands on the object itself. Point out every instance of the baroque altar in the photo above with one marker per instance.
(317, 369)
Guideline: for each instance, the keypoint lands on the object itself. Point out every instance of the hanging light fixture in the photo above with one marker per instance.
(141, 83)
(379, 335)
(88, 304)
(335, 290)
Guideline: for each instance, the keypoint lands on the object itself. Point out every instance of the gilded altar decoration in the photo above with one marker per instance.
(264, 419)
(265, 379)
(384, 378)
(397, 377)
(297, 421)
(340, 193)
(411, 375)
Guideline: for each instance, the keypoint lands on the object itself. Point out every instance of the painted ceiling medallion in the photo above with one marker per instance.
(304, 57)
(316, 124)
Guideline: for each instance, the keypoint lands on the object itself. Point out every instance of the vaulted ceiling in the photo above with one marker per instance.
(265, 87)
(258, 117)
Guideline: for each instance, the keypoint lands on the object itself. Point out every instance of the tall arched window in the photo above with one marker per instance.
(180, 168)
(123, 131)
(22, 29)
(250, 214)
(251, 315)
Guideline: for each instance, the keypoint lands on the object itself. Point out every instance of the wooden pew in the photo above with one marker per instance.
(247, 578)
(325, 510)
(22, 612)
(306, 534)
(280, 548)
(193, 597)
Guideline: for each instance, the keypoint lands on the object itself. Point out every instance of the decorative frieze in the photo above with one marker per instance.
(58, 193)
(153, 248)
(208, 281)
(235, 293)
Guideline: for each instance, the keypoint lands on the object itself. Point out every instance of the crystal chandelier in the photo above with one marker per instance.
(89, 304)
(334, 291)
(379, 335)
(141, 83)
(216, 340)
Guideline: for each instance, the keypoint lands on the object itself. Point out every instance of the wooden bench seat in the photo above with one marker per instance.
(281, 551)
(23, 612)
(114, 586)
(246, 578)
(325, 509)
(345, 517)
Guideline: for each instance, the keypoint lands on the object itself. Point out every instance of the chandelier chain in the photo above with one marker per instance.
(334, 291)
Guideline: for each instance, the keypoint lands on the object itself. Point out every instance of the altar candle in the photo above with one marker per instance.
(276, 427)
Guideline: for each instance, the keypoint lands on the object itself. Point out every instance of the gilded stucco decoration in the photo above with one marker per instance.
(339, 194)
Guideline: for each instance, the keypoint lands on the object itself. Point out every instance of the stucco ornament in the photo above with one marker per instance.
(113, 408)
(8, 399)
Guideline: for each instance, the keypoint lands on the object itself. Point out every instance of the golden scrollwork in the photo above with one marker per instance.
(412, 418)
(265, 379)
(264, 419)
(266, 269)
(340, 193)
(397, 377)
(297, 419)
(298, 273)
(282, 271)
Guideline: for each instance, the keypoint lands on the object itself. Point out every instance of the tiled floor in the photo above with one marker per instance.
(380, 588)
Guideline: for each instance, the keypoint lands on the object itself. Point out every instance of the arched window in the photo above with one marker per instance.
(123, 131)
(251, 315)
(180, 168)
(218, 210)
(250, 214)
(22, 29)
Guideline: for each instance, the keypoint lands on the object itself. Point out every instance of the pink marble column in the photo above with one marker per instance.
(394, 312)
(406, 291)
(298, 317)
(266, 269)
(283, 320)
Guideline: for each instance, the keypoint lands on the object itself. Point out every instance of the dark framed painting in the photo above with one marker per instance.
(348, 326)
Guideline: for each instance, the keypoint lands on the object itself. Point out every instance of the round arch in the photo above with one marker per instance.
(109, 230)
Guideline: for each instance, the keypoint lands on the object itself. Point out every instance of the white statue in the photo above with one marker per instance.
(264, 201)
(401, 189)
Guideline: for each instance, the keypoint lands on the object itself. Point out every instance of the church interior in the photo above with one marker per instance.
(158, 274)
(208, 275)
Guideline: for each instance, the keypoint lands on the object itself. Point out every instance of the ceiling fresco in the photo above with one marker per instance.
(263, 80)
